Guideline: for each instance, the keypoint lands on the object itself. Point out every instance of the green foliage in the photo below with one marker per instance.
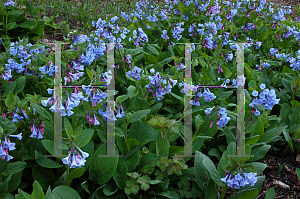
(153, 161)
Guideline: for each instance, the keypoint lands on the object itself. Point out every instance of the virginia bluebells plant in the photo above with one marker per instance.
(239, 181)
(75, 159)
(267, 98)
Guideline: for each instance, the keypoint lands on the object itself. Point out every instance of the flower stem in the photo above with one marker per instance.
(163, 141)
(125, 128)
(201, 125)
(68, 170)
(223, 191)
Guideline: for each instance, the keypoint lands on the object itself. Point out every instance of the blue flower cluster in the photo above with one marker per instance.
(177, 31)
(17, 49)
(73, 72)
(155, 86)
(164, 35)
(239, 181)
(37, 130)
(9, 3)
(17, 116)
(74, 159)
(72, 101)
(140, 37)
(223, 119)
(127, 60)
(7, 145)
(135, 73)
(227, 81)
(180, 66)
(47, 70)
(267, 98)
(208, 96)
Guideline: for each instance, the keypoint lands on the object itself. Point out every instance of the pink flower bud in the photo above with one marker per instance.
(210, 126)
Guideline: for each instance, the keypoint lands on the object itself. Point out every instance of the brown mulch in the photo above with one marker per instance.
(285, 183)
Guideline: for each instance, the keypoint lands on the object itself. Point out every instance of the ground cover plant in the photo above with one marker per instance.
(149, 74)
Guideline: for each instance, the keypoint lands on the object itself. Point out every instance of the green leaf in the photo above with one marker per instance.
(165, 61)
(11, 25)
(49, 195)
(211, 191)
(84, 137)
(138, 115)
(201, 173)
(84, 185)
(37, 191)
(10, 86)
(4, 187)
(273, 133)
(68, 128)
(219, 49)
(120, 176)
(198, 120)
(153, 50)
(42, 111)
(78, 131)
(10, 100)
(43, 176)
(24, 195)
(155, 108)
(213, 172)
(270, 193)
(178, 97)
(121, 98)
(89, 74)
(102, 168)
(134, 51)
(63, 192)
(247, 194)
(131, 143)
(264, 36)
(15, 181)
(298, 173)
(175, 149)
(20, 84)
(30, 9)
(215, 152)
(9, 196)
(151, 59)
(229, 135)
(27, 24)
(224, 95)
(75, 173)
(49, 145)
(252, 84)
(46, 162)
(107, 190)
(137, 131)
(259, 152)
(14, 167)
(252, 140)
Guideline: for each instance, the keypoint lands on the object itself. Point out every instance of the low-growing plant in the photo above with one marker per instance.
(151, 109)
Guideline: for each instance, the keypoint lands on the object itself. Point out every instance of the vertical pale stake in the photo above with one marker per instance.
(240, 131)
(57, 113)
(188, 110)
(110, 103)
